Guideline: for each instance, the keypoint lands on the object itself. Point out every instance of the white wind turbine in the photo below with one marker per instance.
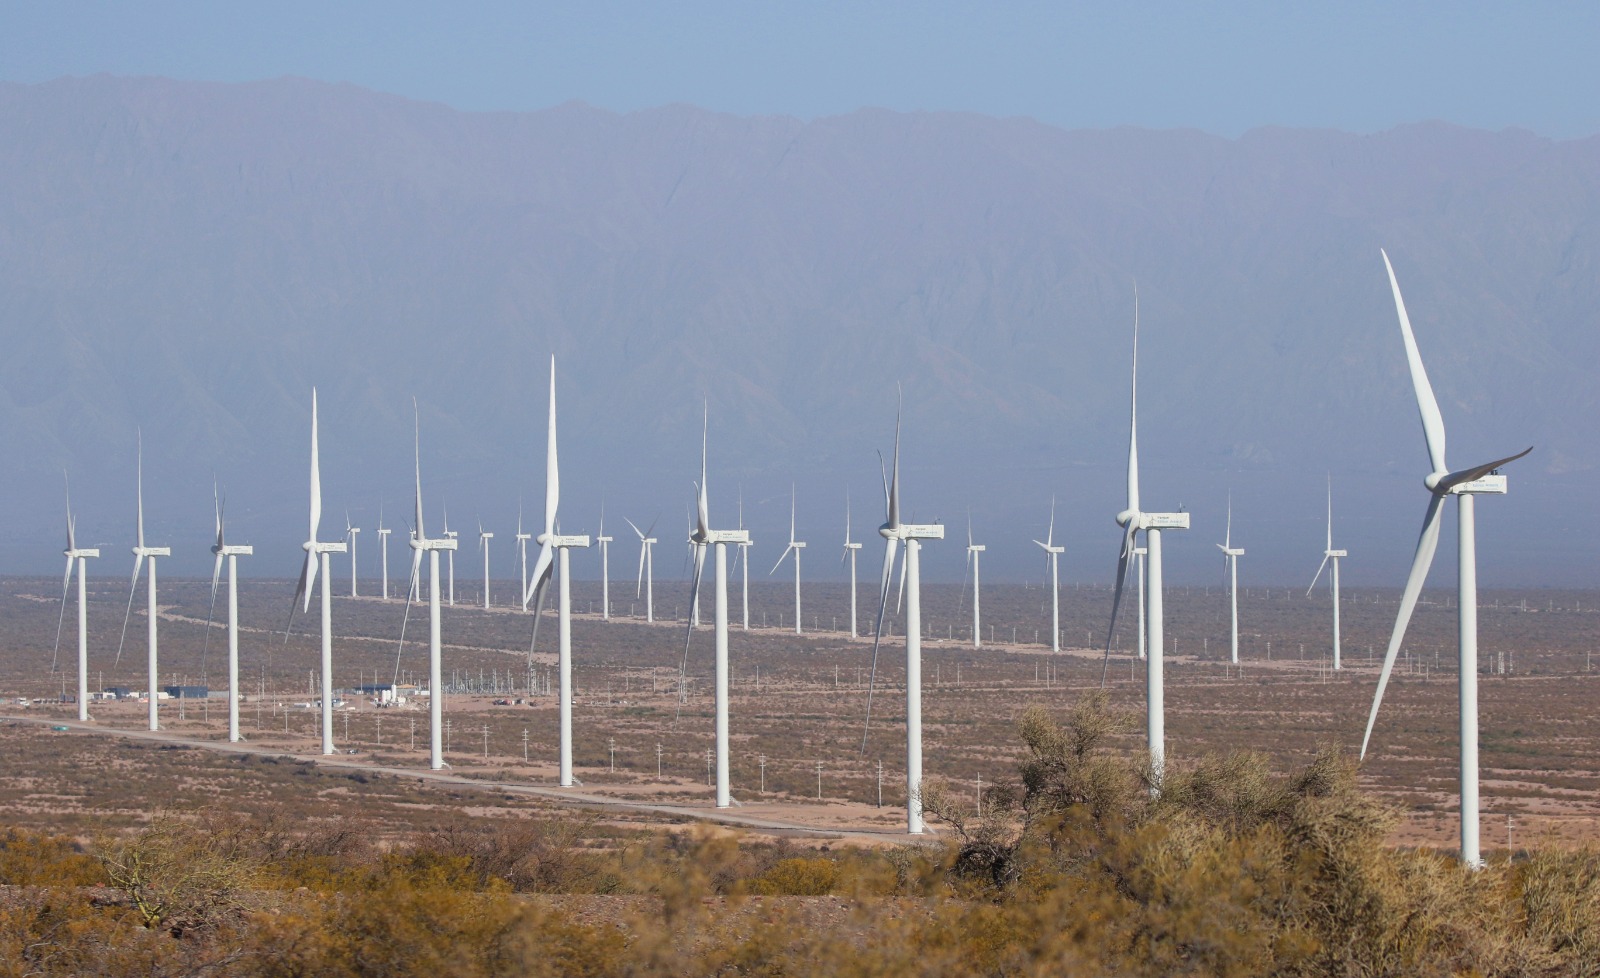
(140, 552)
(420, 544)
(317, 553)
(851, 548)
(605, 566)
(550, 542)
(1133, 520)
(484, 536)
(1330, 554)
(893, 532)
(795, 546)
(974, 550)
(1230, 565)
(80, 556)
(450, 557)
(1442, 483)
(350, 531)
(1052, 557)
(522, 555)
(647, 568)
(232, 552)
(704, 537)
(383, 545)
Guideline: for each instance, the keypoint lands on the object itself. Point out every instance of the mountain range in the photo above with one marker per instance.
(190, 259)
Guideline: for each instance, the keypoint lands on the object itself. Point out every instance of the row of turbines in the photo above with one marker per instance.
(1140, 553)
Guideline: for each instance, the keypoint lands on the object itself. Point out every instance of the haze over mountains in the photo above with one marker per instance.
(193, 257)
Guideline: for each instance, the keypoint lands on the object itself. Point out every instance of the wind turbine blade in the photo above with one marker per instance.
(1227, 537)
(138, 562)
(704, 500)
(540, 579)
(1476, 472)
(405, 619)
(635, 528)
(216, 502)
(894, 476)
(417, 446)
(541, 590)
(1050, 534)
(1427, 405)
(1124, 558)
(900, 596)
(791, 513)
(688, 632)
(846, 519)
(1318, 576)
(61, 619)
(316, 474)
(877, 635)
(205, 647)
(1330, 514)
(786, 552)
(72, 537)
(139, 494)
(966, 576)
(638, 587)
(308, 582)
(1133, 414)
(1427, 542)
(552, 468)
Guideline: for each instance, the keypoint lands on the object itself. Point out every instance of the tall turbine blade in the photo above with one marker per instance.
(552, 470)
(316, 474)
(894, 477)
(688, 632)
(138, 563)
(139, 494)
(61, 619)
(1477, 472)
(1124, 558)
(216, 574)
(1133, 415)
(417, 446)
(1427, 542)
(786, 551)
(1427, 405)
(1227, 537)
(1318, 576)
(1330, 513)
(412, 591)
(877, 636)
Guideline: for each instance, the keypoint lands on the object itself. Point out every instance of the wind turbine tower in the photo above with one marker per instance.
(744, 561)
(551, 542)
(1133, 520)
(350, 531)
(450, 557)
(704, 537)
(895, 532)
(795, 546)
(605, 567)
(851, 548)
(232, 553)
(1465, 485)
(420, 544)
(317, 554)
(522, 555)
(1052, 557)
(140, 552)
(484, 536)
(1330, 554)
(1230, 564)
(79, 556)
(383, 545)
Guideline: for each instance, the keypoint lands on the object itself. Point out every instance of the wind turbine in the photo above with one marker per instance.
(647, 567)
(450, 556)
(140, 552)
(974, 550)
(850, 550)
(704, 537)
(795, 546)
(80, 555)
(522, 555)
(484, 536)
(550, 542)
(1333, 581)
(420, 544)
(1442, 483)
(1133, 520)
(1052, 557)
(317, 553)
(1230, 564)
(232, 552)
(383, 542)
(350, 531)
(743, 559)
(605, 566)
(893, 532)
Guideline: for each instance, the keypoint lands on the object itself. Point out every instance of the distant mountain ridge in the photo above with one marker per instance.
(193, 257)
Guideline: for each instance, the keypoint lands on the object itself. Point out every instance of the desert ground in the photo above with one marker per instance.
(804, 763)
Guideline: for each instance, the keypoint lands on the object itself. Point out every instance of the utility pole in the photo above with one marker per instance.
(763, 774)
(658, 754)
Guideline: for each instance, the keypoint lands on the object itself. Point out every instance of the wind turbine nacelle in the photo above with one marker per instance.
(796, 544)
(1163, 521)
(1494, 482)
(152, 551)
(89, 552)
(1233, 551)
(727, 536)
(1336, 553)
(325, 548)
(922, 531)
(977, 547)
(558, 540)
(603, 539)
(232, 550)
(852, 546)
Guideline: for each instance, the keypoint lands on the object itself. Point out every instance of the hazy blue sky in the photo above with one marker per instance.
(1224, 68)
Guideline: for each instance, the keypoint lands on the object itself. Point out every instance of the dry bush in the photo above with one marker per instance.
(38, 859)
(182, 873)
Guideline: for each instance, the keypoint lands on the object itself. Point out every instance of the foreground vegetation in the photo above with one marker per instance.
(1075, 866)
